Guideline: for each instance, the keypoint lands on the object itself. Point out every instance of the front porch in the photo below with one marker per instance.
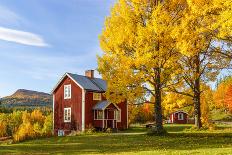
(106, 115)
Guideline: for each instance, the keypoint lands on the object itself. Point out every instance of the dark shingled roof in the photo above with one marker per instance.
(94, 84)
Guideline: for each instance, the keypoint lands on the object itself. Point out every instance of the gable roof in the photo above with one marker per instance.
(91, 84)
(102, 105)
(180, 111)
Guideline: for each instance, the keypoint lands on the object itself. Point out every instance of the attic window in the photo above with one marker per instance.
(67, 91)
(97, 96)
(180, 116)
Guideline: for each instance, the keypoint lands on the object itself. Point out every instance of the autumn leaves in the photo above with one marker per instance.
(169, 46)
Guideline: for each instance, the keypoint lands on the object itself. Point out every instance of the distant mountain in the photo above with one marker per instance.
(27, 98)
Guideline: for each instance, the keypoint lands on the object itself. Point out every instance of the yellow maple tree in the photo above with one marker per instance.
(139, 52)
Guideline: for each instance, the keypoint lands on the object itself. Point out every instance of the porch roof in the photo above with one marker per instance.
(102, 105)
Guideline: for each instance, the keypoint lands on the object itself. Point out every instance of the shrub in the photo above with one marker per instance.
(24, 132)
(90, 129)
(15, 119)
(3, 129)
(108, 130)
(47, 127)
(34, 124)
(3, 125)
(24, 125)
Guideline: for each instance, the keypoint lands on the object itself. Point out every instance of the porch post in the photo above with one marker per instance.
(103, 121)
(172, 118)
(106, 118)
(115, 119)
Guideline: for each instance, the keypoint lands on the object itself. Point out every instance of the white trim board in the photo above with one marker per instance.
(83, 111)
(53, 112)
(66, 74)
(180, 111)
(127, 115)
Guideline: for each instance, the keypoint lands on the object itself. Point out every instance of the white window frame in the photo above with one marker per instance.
(180, 116)
(67, 118)
(68, 87)
(97, 96)
(116, 117)
(96, 116)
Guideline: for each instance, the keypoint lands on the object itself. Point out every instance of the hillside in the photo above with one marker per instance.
(27, 98)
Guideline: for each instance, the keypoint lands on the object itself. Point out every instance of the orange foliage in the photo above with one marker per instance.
(223, 94)
(228, 98)
(219, 95)
(141, 113)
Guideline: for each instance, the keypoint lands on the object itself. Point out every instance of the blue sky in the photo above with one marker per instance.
(40, 40)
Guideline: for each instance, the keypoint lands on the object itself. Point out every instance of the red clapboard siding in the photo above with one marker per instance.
(123, 123)
(175, 118)
(60, 103)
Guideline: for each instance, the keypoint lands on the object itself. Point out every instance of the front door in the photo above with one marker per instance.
(110, 123)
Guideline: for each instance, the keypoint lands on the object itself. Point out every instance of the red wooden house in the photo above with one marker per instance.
(79, 103)
(179, 117)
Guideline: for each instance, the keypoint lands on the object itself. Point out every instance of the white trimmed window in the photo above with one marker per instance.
(180, 116)
(67, 114)
(117, 115)
(67, 91)
(100, 114)
(97, 96)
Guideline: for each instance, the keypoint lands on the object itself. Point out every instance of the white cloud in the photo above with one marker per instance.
(21, 37)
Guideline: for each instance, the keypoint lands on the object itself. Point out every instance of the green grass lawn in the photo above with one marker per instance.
(179, 141)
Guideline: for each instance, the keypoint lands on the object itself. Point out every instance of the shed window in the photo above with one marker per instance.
(180, 116)
(67, 114)
(97, 96)
(67, 91)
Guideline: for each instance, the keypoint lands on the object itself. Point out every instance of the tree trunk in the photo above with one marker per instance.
(197, 94)
(158, 107)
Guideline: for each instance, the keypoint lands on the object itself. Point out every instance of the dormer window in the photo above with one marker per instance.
(97, 96)
(67, 91)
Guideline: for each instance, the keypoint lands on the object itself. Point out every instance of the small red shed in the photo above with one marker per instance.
(179, 117)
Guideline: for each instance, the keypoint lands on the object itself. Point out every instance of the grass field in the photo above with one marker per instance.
(178, 141)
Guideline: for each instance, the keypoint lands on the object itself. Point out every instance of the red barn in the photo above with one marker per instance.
(79, 103)
(179, 117)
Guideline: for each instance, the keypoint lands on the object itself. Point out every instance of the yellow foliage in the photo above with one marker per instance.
(206, 102)
(24, 125)
(174, 101)
(3, 129)
(37, 116)
(25, 131)
(136, 40)
(175, 39)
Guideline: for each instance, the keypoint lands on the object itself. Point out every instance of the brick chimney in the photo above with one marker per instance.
(89, 73)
